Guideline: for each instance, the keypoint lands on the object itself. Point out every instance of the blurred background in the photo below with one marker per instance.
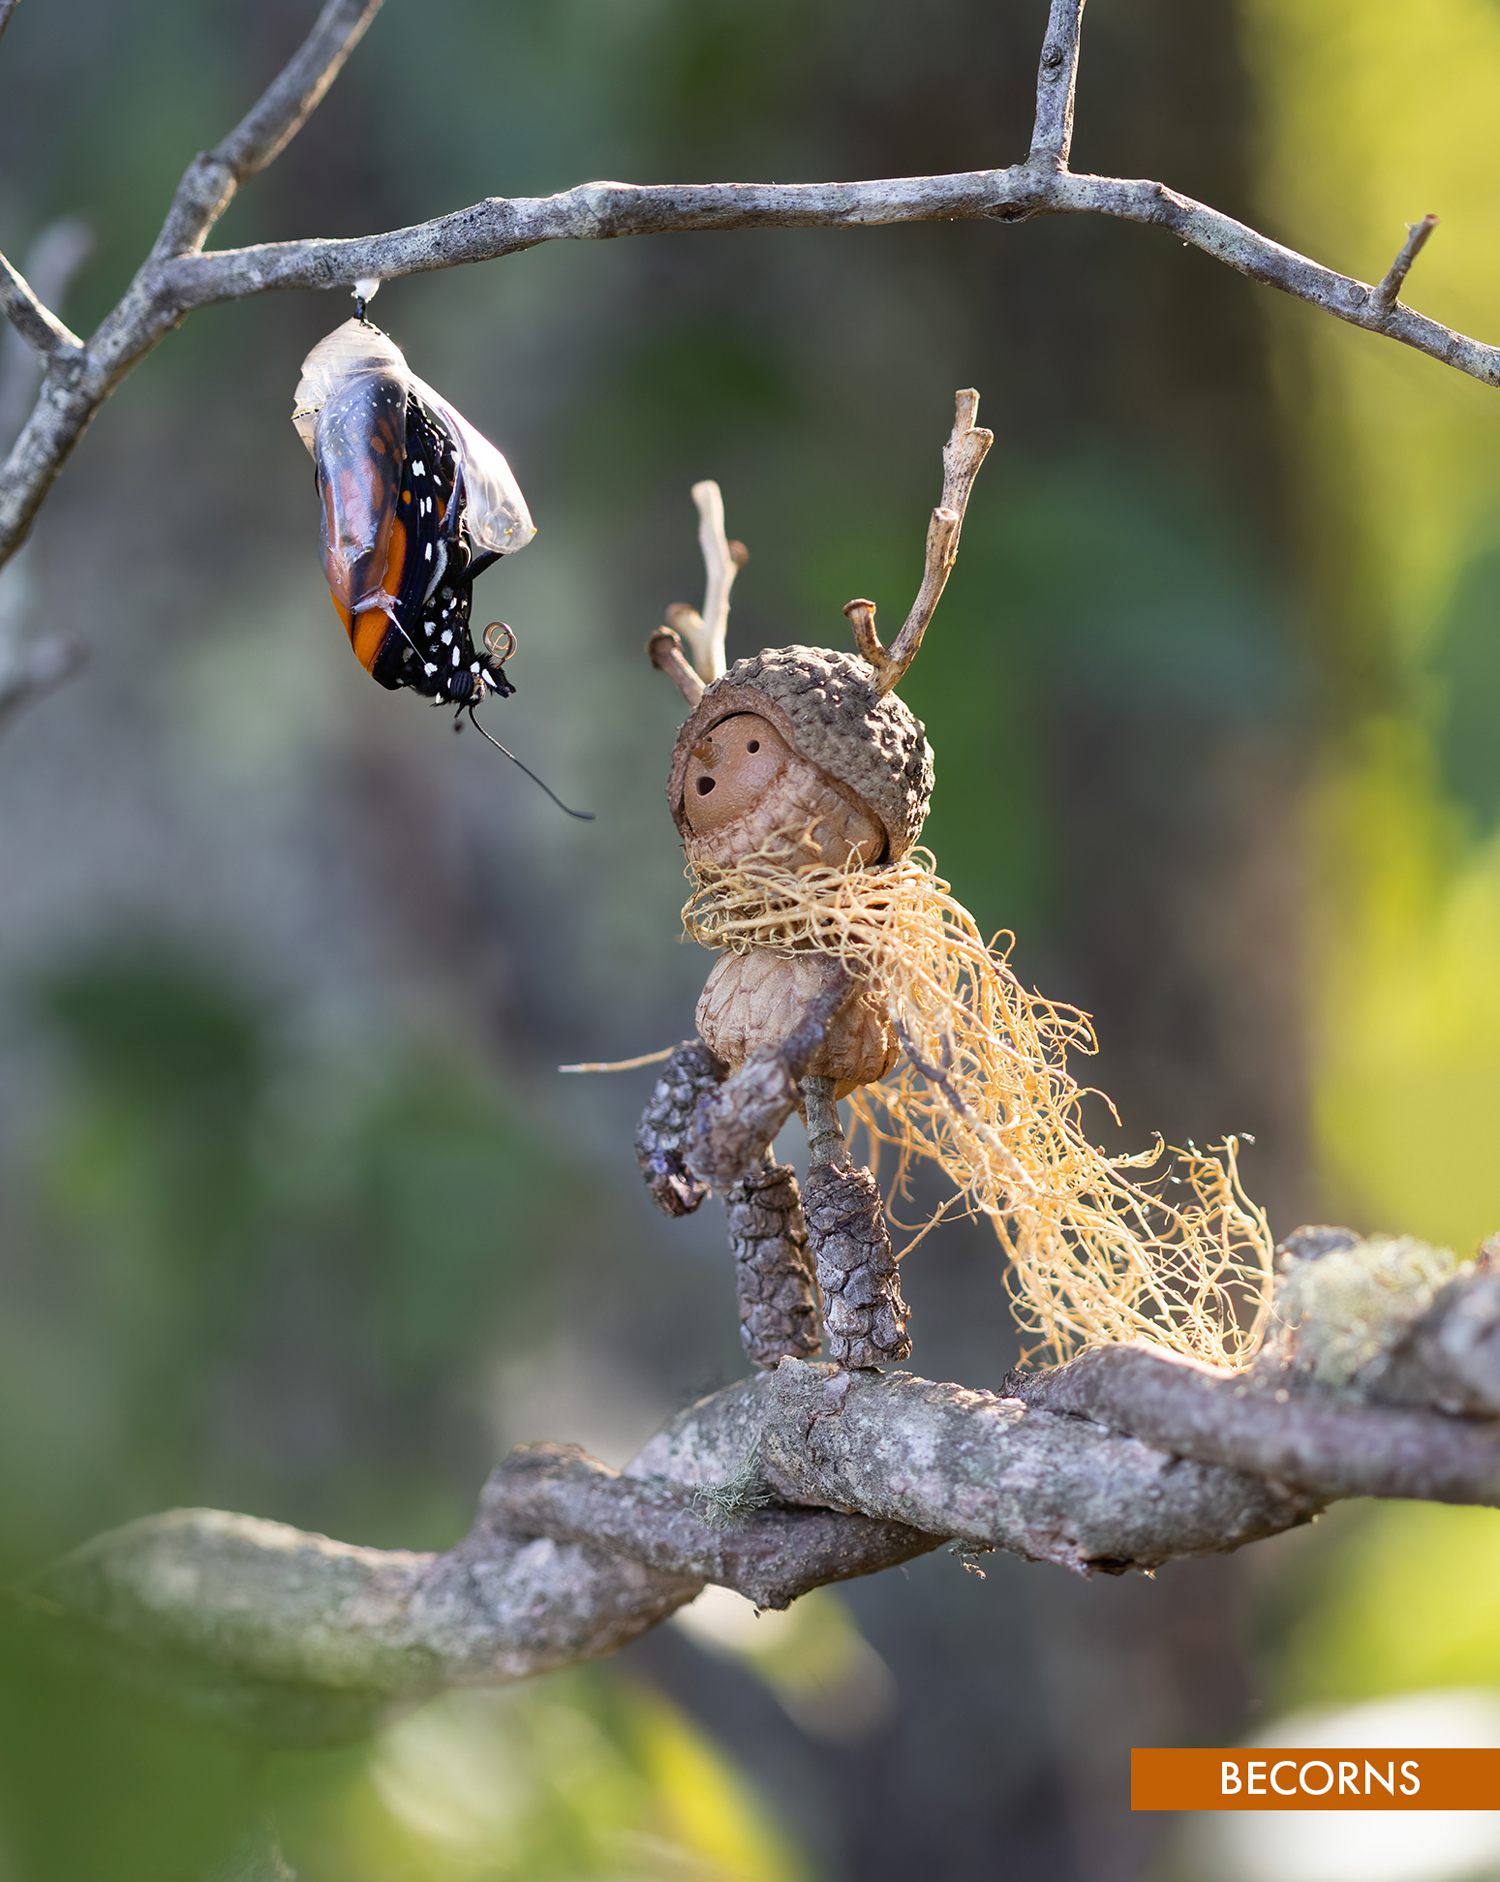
(296, 1214)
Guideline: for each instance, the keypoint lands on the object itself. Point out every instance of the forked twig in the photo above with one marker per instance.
(705, 631)
(962, 456)
(180, 275)
(665, 650)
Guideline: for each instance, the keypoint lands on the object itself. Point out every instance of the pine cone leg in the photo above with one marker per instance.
(864, 1315)
(661, 1137)
(773, 1267)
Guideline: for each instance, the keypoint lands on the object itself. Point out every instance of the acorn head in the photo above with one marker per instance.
(800, 738)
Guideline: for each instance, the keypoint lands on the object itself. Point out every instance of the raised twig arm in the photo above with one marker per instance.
(665, 652)
(962, 456)
(704, 630)
(706, 633)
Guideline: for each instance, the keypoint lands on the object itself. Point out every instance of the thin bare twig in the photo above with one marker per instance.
(178, 277)
(963, 454)
(7, 8)
(1056, 85)
(209, 184)
(77, 382)
(33, 660)
(502, 226)
(36, 323)
(666, 655)
(706, 632)
(56, 256)
(1385, 292)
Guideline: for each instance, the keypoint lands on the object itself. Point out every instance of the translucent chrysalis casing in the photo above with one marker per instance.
(415, 504)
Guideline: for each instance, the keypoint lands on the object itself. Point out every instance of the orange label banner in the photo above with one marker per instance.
(1233, 1778)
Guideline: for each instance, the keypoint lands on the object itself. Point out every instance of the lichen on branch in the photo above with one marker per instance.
(1126, 1458)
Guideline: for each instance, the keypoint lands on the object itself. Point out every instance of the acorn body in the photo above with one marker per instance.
(795, 762)
(754, 1002)
(743, 789)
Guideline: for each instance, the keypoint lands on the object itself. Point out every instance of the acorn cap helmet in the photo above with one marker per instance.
(829, 708)
(836, 710)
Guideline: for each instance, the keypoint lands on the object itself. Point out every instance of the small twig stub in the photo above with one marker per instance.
(1384, 295)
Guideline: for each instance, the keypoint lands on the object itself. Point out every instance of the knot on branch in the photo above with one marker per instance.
(1125, 1458)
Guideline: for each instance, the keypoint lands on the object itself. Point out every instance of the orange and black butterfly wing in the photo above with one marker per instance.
(395, 548)
(361, 456)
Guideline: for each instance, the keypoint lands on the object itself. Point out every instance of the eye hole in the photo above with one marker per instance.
(704, 786)
(754, 745)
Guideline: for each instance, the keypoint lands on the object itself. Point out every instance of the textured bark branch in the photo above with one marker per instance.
(1416, 240)
(1450, 1357)
(567, 1561)
(802, 1476)
(33, 660)
(499, 226)
(177, 277)
(80, 378)
(56, 256)
(1056, 86)
(36, 323)
(1319, 1445)
(772, 1558)
(211, 180)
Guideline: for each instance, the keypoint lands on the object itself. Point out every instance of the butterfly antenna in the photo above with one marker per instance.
(583, 816)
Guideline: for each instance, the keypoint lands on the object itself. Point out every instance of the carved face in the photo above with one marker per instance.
(744, 786)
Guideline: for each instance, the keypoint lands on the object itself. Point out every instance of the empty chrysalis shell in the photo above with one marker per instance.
(415, 505)
(495, 512)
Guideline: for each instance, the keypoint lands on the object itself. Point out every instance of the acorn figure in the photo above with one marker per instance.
(847, 970)
(801, 754)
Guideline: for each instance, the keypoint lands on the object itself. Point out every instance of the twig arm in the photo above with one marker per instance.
(963, 454)
(707, 633)
(701, 661)
(665, 652)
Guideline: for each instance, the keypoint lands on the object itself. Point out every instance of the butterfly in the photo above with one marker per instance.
(415, 505)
